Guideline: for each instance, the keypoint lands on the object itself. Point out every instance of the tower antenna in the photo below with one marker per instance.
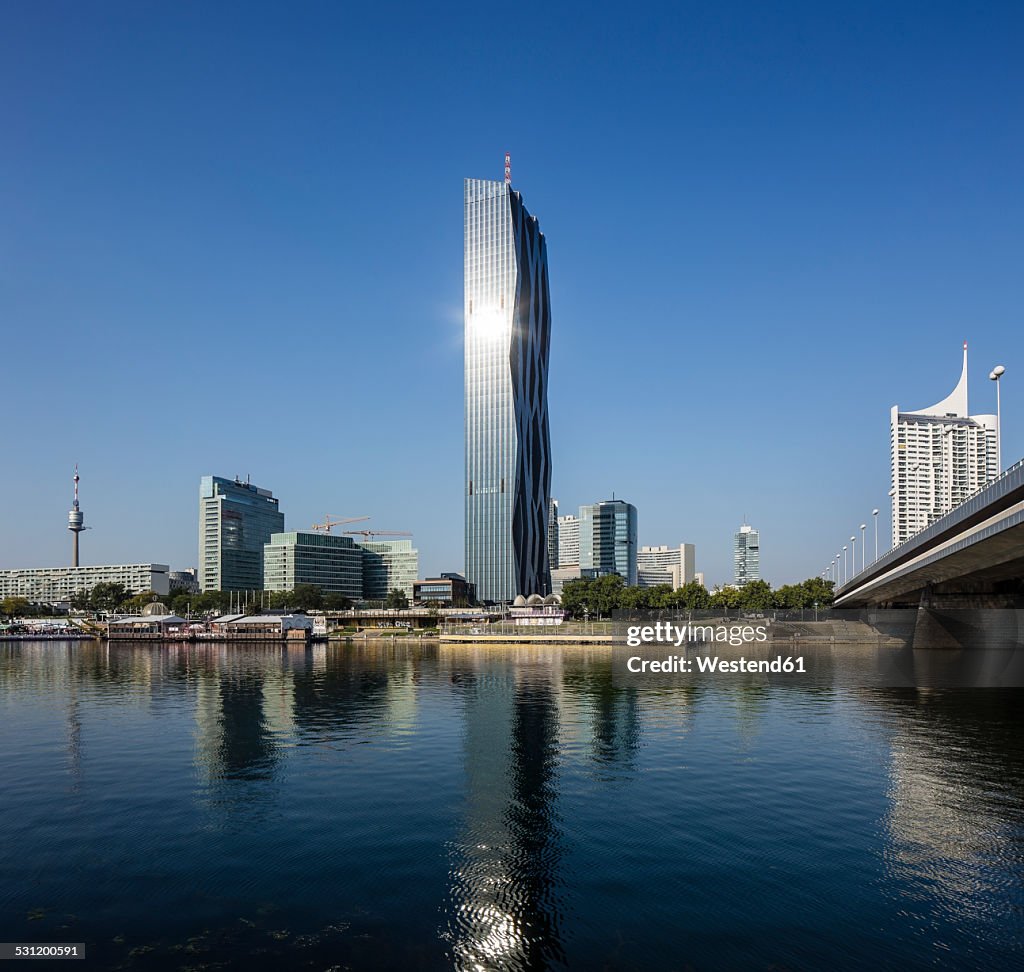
(508, 169)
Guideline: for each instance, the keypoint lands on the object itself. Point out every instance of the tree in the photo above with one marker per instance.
(139, 601)
(818, 591)
(756, 595)
(693, 596)
(725, 597)
(606, 592)
(80, 600)
(791, 596)
(337, 602)
(396, 600)
(14, 606)
(108, 596)
(634, 599)
(576, 596)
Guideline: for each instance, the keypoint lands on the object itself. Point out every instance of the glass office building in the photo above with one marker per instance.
(236, 520)
(508, 450)
(608, 539)
(332, 563)
(746, 555)
(389, 564)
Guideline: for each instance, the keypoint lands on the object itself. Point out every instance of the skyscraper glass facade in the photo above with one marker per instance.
(507, 339)
(746, 555)
(608, 539)
(236, 520)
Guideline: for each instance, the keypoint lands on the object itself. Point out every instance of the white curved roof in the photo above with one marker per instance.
(955, 403)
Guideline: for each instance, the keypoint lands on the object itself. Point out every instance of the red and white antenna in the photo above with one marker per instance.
(508, 169)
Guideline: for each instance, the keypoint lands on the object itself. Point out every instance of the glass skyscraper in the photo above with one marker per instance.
(746, 555)
(608, 539)
(236, 519)
(508, 449)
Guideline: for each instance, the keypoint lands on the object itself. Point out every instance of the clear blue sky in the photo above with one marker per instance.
(231, 242)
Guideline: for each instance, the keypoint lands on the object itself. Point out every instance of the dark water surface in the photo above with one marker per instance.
(452, 807)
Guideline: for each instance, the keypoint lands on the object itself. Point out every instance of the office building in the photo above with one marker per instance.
(568, 541)
(508, 450)
(608, 539)
(184, 580)
(562, 575)
(236, 521)
(332, 563)
(666, 565)
(448, 590)
(939, 456)
(57, 585)
(387, 565)
(552, 534)
(746, 555)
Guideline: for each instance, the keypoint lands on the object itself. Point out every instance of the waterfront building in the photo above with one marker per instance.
(746, 555)
(568, 541)
(562, 575)
(608, 539)
(552, 533)
(939, 456)
(236, 520)
(448, 590)
(184, 580)
(332, 563)
(57, 585)
(508, 449)
(389, 564)
(666, 565)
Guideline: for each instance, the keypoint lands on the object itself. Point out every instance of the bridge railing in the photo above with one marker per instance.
(937, 526)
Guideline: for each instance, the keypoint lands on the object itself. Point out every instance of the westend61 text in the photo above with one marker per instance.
(664, 632)
(678, 664)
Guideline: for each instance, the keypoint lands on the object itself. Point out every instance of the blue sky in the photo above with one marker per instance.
(232, 243)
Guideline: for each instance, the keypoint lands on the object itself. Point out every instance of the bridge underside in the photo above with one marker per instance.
(986, 572)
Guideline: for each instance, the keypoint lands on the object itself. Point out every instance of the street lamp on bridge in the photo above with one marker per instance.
(997, 372)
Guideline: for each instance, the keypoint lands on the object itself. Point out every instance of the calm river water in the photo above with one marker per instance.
(450, 807)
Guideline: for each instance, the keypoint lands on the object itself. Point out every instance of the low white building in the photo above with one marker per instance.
(57, 585)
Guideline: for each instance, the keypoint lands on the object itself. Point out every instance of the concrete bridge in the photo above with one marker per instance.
(973, 557)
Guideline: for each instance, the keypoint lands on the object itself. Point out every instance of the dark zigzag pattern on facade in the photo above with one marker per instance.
(528, 359)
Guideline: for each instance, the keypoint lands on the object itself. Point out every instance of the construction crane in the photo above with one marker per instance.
(369, 534)
(328, 523)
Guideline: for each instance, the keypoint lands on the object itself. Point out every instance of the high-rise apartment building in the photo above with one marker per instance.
(389, 564)
(568, 541)
(939, 456)
(508, 450)
(746, 555)
(666, 565)
(236, 520)
(608, 539)
(332, 563)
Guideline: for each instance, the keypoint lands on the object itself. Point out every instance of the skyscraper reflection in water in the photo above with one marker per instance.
(504, 903)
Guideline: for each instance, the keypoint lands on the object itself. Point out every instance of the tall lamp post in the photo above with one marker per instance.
(853, 553)
(863, 546)
(874, 516)
(846, 568)
(997, 372)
